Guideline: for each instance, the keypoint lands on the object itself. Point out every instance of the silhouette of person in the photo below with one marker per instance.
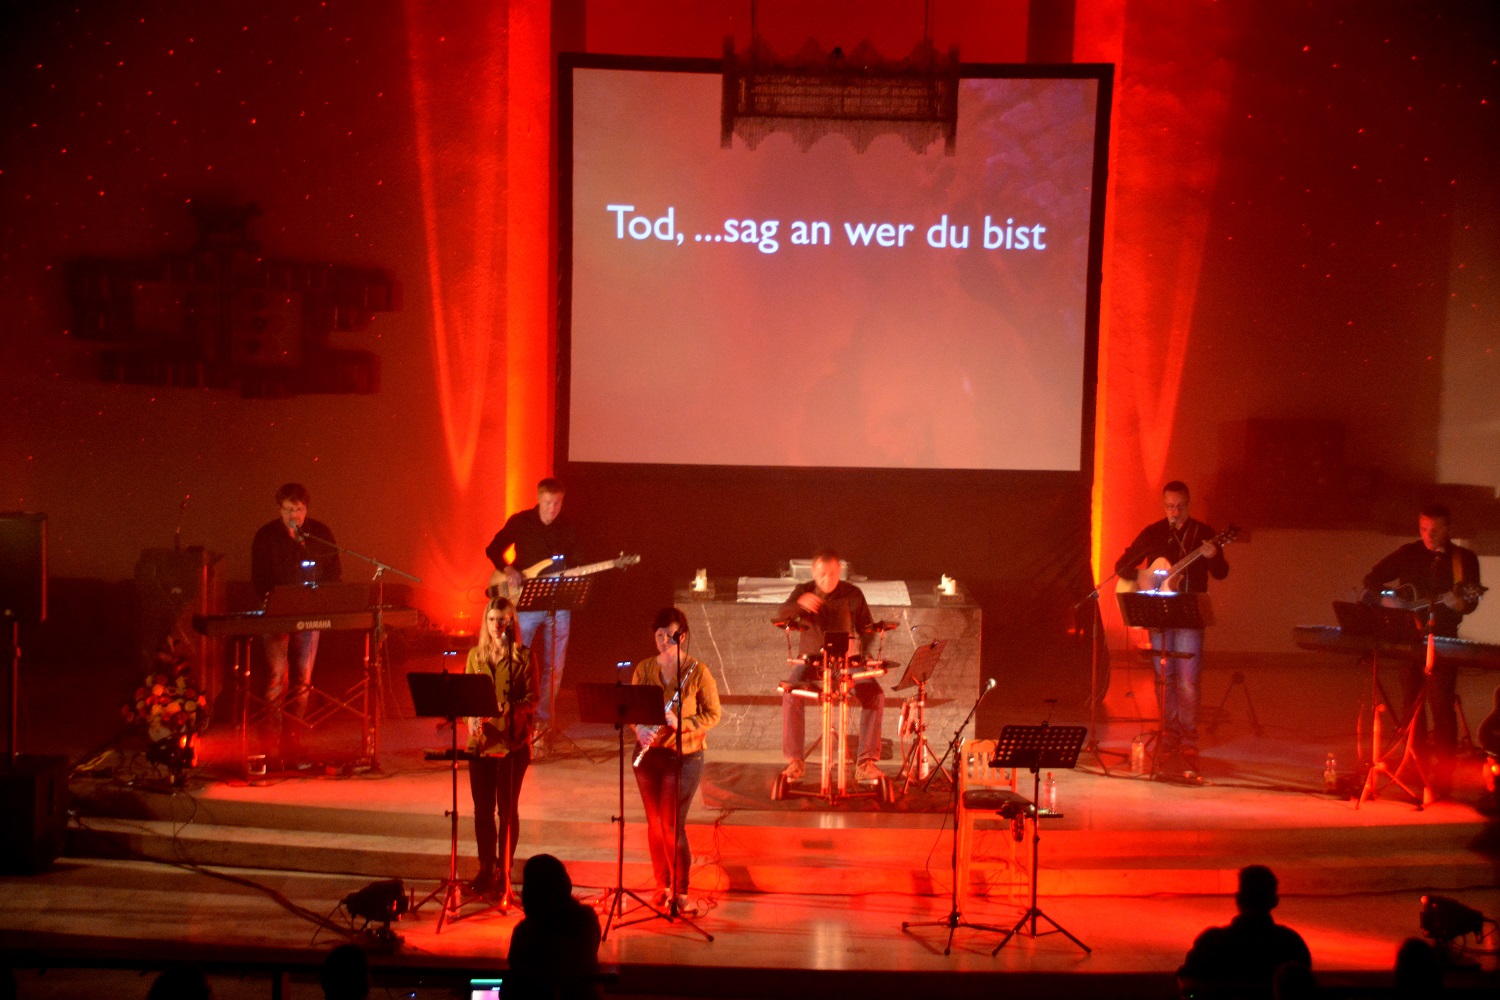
(554, 950)
(1239, 961)
(1419, 970)
(186, 982)
(345, 974)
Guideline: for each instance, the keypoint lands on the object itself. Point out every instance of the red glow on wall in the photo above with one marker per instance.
(1171, 100)
(479, 74)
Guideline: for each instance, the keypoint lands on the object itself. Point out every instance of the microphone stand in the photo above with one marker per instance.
(1095, 694)
(374, 667)
(955, 918)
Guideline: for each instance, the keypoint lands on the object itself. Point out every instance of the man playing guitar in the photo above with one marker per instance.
(1444, 577)
(540, 534)
(1175, 540)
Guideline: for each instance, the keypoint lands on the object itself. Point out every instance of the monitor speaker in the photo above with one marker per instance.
(23, 568)
(33, 812)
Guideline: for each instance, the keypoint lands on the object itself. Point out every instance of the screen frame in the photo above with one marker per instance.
(569, 62)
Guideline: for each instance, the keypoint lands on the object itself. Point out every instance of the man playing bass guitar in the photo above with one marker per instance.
(1174, 539)
(540, 534)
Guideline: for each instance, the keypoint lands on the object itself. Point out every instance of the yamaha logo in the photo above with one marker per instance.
(320, 623)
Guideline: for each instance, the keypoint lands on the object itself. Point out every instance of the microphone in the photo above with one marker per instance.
(297, 532)
(675, 638)
(989, 686)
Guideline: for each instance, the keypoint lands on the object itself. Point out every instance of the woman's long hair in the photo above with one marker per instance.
(488, 648)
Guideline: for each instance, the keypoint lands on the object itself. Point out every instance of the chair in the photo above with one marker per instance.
(983, 792)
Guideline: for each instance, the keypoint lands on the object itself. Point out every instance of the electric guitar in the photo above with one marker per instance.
(500, 587)
(649, 735)
(1163, 577)
(1404, 597)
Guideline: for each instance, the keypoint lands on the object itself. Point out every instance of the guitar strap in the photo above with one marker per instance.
(1458, 568)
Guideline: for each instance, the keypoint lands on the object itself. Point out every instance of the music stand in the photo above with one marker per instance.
(1158, 612)
(451, 696)
(553, 594)
(620, 705)
(919, 670)
(1036, 747)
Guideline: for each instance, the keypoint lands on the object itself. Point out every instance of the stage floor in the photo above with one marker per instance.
(798, 897)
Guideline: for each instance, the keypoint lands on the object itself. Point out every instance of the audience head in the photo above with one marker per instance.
(345, 974)
(546, 889)
(1257, 892)
(186, 982)
(1419, 969)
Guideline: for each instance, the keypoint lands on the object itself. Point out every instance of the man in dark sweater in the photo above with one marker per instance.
(827, 604)
(1241, 960)
(291, 550)
(541, 535)
(1447, 575)
(1173, 539)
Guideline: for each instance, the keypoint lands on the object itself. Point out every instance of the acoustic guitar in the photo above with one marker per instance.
(1163, 577)
(500, 587)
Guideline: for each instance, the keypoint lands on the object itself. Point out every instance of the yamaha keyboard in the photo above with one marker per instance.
(1332, 639)
(248, 623)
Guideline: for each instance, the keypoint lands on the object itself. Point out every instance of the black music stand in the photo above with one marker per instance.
(553, 594)
(622, 705)
(919, 670)
(451, 697)
(1158, 612)
(1036, 747)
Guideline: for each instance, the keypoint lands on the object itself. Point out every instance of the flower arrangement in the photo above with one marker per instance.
(168, 704)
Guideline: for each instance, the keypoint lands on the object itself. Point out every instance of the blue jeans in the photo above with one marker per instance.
(548, 642)
(868, 692)
(288, 657)
(1179, 687)
(667, 806)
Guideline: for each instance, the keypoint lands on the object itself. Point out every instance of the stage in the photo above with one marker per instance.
(800, 898)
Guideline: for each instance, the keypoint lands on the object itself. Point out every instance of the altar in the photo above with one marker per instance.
(730, 621)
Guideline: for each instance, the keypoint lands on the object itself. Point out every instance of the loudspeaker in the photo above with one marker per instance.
(23, 568)
(33, 812)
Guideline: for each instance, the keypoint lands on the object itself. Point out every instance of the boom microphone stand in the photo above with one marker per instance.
(1092, 747)
(955, 918)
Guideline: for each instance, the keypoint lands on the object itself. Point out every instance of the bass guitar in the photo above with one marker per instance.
(1163, 577)
(500, 587)
(650, 735)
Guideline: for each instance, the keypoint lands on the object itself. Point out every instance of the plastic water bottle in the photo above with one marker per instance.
(1049, 794)
(1138, 756)
(1330, 775)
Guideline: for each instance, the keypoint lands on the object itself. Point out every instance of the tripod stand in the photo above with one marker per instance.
(955, 918)
(1095, 695)
(1036, 747)
(621, 705)
(551, 594)
(918, 760)
(451, 696)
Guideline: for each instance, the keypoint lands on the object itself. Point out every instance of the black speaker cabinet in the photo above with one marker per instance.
(23, 568)
(33, 812)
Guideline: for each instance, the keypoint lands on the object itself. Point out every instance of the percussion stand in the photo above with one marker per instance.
(1036, 747)
(451, 697)
(918, 672)
(955, 918)
(837, 685)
